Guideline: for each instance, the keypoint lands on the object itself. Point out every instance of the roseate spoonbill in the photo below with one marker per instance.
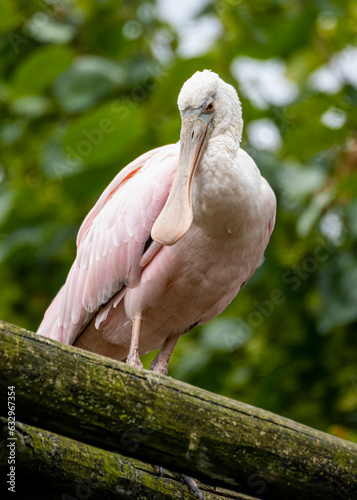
(172, 239)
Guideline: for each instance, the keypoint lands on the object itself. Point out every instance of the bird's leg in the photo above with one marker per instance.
(133, 358)
(159, 365)
(161, 361)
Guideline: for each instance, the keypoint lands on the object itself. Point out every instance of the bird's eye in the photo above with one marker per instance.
(209, 107)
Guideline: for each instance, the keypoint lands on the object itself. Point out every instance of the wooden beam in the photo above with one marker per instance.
(56, 467)
(163, 421)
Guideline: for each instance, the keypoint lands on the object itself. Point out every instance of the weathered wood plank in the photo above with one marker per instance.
(167, 422)
(56, 467)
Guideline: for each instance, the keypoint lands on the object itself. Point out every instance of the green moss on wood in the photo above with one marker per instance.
(55, 467)
(114, 406)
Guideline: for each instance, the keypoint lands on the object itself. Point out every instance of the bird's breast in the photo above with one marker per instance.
(225, 195)
(197, 277)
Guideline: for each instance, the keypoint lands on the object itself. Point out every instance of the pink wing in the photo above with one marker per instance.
(111, 242)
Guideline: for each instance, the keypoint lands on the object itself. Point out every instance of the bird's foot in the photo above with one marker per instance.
(161, 361)
(191, 483)
(158, 366)
(159, 470)
(133, 359)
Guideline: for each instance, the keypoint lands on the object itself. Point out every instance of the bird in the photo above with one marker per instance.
(171, 240)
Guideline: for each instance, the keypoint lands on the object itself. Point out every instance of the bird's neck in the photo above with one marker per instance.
(224, 191)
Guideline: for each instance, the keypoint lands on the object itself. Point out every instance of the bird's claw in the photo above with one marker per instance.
(159, 470)
(158, 367)
(133, 359)
(191, 483)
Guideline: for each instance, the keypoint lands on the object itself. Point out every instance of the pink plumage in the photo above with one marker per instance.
(171, 240)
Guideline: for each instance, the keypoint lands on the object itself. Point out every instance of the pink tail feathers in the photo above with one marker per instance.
(49, 325)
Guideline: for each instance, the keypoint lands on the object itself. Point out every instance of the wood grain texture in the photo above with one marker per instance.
(163, 421)
(56, 467)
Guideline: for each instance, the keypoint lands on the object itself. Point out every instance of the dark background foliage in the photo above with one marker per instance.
(87, 86)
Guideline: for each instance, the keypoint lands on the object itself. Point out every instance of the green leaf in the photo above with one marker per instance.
(39, 69)
(6, 204)
(297, 182)
(45, 29)
(312, 213)
(352, 218)
(31, 106)
(88, 80)
(340, 295)
(10, 16)
(225, 334)
(101, 136)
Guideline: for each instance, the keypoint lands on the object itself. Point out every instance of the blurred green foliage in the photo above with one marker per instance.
(87, 86)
